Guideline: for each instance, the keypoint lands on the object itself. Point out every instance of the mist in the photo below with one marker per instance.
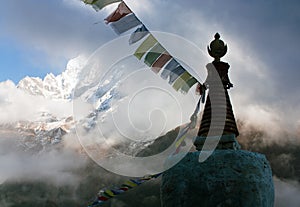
(17, 105)
(54, 165)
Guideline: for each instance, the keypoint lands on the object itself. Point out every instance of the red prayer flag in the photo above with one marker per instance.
(124, 188)
(120, 12)
(102, 198)
(160, 62)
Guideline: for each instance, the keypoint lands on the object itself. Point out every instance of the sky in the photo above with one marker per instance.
(32, 33)
(37, 38)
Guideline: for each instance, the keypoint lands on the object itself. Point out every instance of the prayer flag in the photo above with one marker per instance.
(181, 80)
(117, 191)
(100, 4)
(154, 53)
(103, 198)
(138, 34)
(176, 73)
(160, 62)
(126, 23)
(130, 184)
(169, 67)
(119, 13)
(109, 193)
(89, 1)
(96, 203)
(125, 188)
(186, 87)
(148, 43)
(180, 140)
(137, 181)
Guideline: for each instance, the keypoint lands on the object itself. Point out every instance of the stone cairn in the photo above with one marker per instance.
(230, 177)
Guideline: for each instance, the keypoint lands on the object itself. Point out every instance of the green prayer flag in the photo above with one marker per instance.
(129, 184)
(148, 43)
(109, 193)
(181, 80)
(186, 87)
(89, 1)
(154, 53)
(100, 4)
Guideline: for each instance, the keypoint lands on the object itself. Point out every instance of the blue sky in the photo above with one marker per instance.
(39, 37)
(17, 62)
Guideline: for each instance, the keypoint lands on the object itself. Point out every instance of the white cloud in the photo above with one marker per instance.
(17, 105)
(54, 166)
(54, 30)
(286, 193)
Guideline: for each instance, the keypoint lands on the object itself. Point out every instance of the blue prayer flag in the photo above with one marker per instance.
(138, 34)
(168, 68)
(126, 23)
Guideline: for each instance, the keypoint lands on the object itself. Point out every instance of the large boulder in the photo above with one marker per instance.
(231, 178)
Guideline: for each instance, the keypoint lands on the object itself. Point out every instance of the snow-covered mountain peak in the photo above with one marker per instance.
(75, 65)
(55, 87)
(32, 85)
(50, 112)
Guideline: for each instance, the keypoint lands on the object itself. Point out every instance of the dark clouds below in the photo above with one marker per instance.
(39, 190)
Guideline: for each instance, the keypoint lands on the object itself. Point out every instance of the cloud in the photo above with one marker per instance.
(264, 65)
(52, 166)
(58, 29)
(286, 193)
(263, 68)
(17, 105)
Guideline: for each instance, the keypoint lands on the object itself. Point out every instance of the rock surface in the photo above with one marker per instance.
(231, 178)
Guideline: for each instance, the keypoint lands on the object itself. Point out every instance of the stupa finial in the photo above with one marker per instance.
(217, 48)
